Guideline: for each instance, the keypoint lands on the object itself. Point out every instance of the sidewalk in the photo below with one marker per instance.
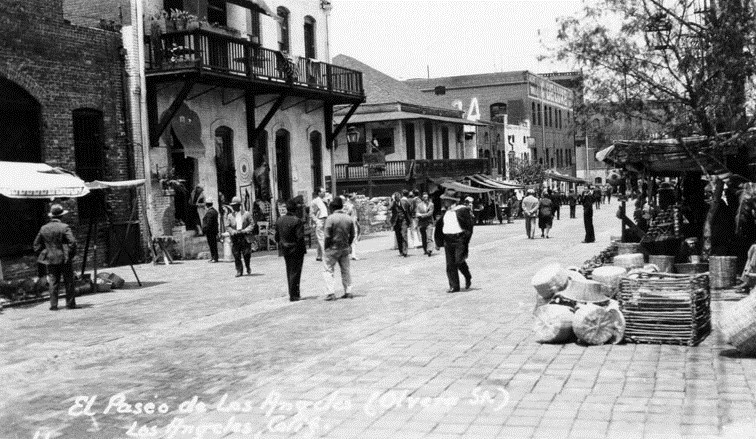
(402, 360)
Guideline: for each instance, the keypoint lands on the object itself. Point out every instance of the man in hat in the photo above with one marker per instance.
(530, 206)
(588, 202)
(240, 227)
(339, 235)
(453, 231)
(56, 246)
(291, 245)
(210, 229)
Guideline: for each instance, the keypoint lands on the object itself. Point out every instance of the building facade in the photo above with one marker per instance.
(525, 98)
(420, 141)
(62, 102)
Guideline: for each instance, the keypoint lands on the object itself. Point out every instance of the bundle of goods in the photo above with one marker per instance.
(113, 279)
(606, 256)
(553, 324)
(738, 325)
(665, 308)
(548, 281)
(664, 262)
(597, 325)
(722, 271)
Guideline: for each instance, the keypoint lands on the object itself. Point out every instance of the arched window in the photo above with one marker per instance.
(283, 165)
(309, 38)
(283, 30)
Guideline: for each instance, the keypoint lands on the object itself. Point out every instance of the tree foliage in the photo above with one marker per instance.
(527, 173)
(685, 66)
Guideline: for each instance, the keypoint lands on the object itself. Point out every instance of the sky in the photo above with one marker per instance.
(406, 39)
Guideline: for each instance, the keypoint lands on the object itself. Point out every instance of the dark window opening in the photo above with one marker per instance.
(173, 4)
(538, 106)
(409, 136)
(445, 142)
(429, 140)
(439, 90)
(254, 30)
(309, 37)
(89, 152)
(316, 148)
(283, 30)
(216, 12)
(385, 138)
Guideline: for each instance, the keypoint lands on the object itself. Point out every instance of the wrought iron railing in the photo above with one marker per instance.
(211, 51)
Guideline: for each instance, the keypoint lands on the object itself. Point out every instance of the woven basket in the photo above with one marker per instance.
(722, 271)
(666, 308)
(692, 268)
(665, 263)
(738, 325)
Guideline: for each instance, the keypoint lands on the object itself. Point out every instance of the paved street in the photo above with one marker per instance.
(197, 353)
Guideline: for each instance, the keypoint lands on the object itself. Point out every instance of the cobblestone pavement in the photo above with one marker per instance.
(197, 353)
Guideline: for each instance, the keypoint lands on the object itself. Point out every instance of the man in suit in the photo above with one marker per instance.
(291, 245)
(210, 229)
(588, 202)
(572, 201)
(240, 226)
(530, 211)
(453, 231)
(339, 235)
(56, 246)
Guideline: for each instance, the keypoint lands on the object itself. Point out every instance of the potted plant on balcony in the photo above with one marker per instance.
(179, 19)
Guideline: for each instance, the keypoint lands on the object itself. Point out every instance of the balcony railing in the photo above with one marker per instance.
(210, 51)
(422, 168)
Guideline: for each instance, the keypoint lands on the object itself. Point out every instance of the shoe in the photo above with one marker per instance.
(72, 307)
(453, 290)
(348, 296)
(330, 297)
(355, 258)
(468, 282)
(294, 299)
(318, 259)
(238, 274)
(429, 253)
(53, 308)
(249, 272)
(587, 242)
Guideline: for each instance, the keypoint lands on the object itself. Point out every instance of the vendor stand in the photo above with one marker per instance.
(21, 180)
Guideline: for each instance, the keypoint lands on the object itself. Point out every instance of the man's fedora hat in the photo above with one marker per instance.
(450, 194)
(235, 201)
(56, 211)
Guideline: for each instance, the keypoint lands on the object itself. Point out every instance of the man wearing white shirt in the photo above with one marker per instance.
(318, 214)
(453, 232)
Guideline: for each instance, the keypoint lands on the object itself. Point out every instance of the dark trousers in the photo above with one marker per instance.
(240, 248)
(423, 228)
(294, 273)
(56, 271)
(400, 230)
(556, 211)
(588, 222)
(212, 242)
(456, 255)
(572, 211)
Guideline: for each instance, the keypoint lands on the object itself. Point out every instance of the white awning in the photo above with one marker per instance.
(40, 181)
(125, 184)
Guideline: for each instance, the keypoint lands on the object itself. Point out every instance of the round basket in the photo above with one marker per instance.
(738, 325)
(625, 248)
(665, 263)
(722, 271)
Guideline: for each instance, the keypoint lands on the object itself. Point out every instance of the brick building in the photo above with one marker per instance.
(61, 103)
(521, 96)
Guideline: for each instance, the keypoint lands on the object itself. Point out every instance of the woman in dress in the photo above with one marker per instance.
(545, 214)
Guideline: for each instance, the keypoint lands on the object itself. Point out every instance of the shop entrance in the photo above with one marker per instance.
(224, 162)
(283, 165)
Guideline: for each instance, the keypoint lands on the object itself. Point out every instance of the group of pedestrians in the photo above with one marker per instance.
(540, 212)
(411, 216)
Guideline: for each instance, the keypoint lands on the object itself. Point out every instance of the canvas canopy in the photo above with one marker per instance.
(39, 181)
(459, 187)
(558, 176)
(126, 184)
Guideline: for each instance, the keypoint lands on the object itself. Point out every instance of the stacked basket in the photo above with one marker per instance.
(666, 308)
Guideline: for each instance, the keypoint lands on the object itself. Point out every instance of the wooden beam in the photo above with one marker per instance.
(165, 120)
(271, 112)
(343, 122)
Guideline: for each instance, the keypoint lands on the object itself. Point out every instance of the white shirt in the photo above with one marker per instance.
(239, 221)
(322, 209)
(451, 224)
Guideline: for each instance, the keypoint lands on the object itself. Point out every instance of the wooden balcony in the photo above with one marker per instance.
(416, 169)
(229, 60)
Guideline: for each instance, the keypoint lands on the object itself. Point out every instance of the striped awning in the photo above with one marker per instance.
(39, 181)
(486, 181)
(459, 187)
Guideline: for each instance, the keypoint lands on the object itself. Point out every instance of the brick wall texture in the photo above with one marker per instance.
(66, 67)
